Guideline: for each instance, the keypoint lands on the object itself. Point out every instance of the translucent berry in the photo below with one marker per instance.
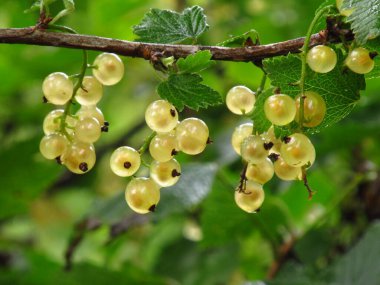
(321, 59)
(360, 61)
(163, 146)
(297, 150)
(161, 116)
(192, 135)
(109, 68)
(92, 112)
(142, 195)
(57, 88)
(165, 174)
(240, 100)
(53, 145)
(270, 138)
(125, 161)
(251, 199)
(261, 172)
(87, 130)
(314, 109)
(91, 93)
(253, 149)
(239, 134)
(79, 157)
(280, 109)
(343, 12)
(286, 172)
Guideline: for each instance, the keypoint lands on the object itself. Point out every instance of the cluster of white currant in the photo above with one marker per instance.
(322, 59)
(265, 154)
(69, 137)
(190, 136)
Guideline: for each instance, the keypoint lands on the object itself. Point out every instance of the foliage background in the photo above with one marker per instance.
(197, 235)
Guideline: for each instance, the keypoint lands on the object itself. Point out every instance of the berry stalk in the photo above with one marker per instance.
(304, 51)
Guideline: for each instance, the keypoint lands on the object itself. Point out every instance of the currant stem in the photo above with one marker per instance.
(304, 50)
(77, 85)
(147, 141)
(306, 183)
(262, 85)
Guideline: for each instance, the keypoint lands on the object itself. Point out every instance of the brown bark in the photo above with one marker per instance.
(32, 36)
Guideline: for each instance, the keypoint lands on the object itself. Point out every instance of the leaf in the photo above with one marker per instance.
(36, 6)
(165, 26)
(260, 121)
(186, 90)
(339, 87)
(194, 185)
(25, 174)
(365, 19)
(69, 8)
(361, 264)
(251, 36)
(374, 46)
(195, 62)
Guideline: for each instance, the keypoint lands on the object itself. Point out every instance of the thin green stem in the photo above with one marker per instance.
(77, 85)
(79, 77)
(62, 29)
(262, 85)
(304, 51)
(146, 143)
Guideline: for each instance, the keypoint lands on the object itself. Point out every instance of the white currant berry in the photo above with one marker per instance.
(285, 171)
(52, 122)
(161, 116)
(91, 93)
(90, 112)
(253, 149)
(321, 59)
(261, 172)
(297, 150)
(270, 139)
(163, 146)
(239, 134)
(359, 61)
(240, 100)
(79, 157)
(280, 109)
(165, 174)
(53, 145)
(192, 135)
(87, 130)
(343, 12)
(142, 195)
(109, 69)
(57, 88)
(125, 161)
(251, 199)
(314, 109)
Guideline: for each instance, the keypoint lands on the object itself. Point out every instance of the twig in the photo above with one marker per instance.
(43, 37)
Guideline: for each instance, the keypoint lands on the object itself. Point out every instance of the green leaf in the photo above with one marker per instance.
(25, 174)
(339, 87)
(194, 185)
(365, 19)
(361, 264)
(69, 8)
(36, 6)
(374, 45)
(260, 121)
(186, 90)
(165, 26)
(241, 40)
(195, 62)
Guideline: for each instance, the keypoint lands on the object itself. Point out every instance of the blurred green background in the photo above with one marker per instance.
(60, 228)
